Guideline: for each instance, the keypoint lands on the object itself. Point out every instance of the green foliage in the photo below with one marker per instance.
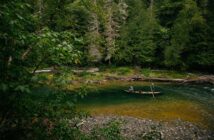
(58, 47)
(168, 11)
(120, 70)
(84, 74)
(124, 71)
(43, 113)
(137, 44)
(185, 42)
(111, 131)
(106, 18)
(146, 72)
(83, 91)
(153, 135)
(25, 46)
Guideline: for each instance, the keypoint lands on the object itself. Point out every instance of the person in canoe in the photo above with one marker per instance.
(131, 88)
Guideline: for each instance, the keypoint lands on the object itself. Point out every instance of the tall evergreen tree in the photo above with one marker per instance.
(187, 36)
(137, 35)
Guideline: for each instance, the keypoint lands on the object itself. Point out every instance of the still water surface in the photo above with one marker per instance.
(193, 103)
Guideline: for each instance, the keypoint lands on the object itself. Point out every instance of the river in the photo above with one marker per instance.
(191, 103)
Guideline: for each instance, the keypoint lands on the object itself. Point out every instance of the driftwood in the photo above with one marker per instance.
(89, 70)
(43, 71)
(207, 79)
(52, 70)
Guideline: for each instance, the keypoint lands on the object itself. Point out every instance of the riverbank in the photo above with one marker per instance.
(174, 115)
(137, 129)
(76, 77)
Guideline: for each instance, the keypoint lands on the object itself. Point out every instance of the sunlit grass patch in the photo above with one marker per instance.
(167, 74)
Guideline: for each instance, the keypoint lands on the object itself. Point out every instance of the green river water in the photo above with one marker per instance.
(192, 103)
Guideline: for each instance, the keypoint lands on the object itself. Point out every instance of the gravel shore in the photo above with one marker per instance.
(139, 129)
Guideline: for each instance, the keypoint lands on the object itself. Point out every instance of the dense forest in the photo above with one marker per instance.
(174, 34)
(36, 34)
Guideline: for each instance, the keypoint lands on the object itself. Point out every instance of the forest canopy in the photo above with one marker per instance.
(174, 34)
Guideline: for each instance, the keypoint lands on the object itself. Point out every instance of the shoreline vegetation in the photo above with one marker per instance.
(96, 75)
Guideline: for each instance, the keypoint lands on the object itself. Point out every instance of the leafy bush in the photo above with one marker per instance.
(37, 113)
(123, 70)
(110, 132)
(146, 72)
(120, 70)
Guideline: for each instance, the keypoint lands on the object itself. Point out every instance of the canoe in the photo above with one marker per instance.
(143, 92)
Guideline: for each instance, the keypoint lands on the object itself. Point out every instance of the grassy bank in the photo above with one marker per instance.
(77, 77)
(130, 71)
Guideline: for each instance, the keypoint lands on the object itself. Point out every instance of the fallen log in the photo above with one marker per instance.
(48, 70)
(89, 70)
(208, 79)
(161, 80)
(198, 80)
(52, 70)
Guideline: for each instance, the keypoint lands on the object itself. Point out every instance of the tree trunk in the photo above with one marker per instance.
(151, 9)
(94, 51)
